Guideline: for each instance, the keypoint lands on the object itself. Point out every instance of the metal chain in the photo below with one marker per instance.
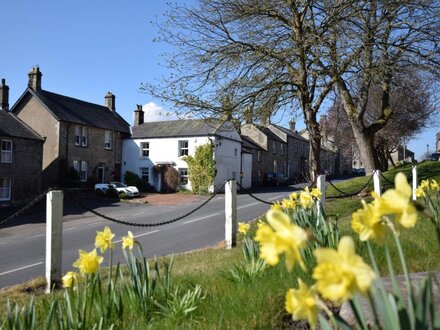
(386, 179)
(345, 194)
(122, 222)
(254, 197)
(26, 208)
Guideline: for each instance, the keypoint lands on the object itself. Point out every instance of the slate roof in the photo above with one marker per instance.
(11, 125)
(291, 133)
(69, 109)
(248, 143)
(272, 135)
(179, 128)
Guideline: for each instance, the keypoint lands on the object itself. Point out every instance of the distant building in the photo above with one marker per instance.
(402, 154)
(80, 136)
(20, 158)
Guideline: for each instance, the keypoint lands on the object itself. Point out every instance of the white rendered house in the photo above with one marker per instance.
(166, 143)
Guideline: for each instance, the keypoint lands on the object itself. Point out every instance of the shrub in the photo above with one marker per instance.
(201, 168)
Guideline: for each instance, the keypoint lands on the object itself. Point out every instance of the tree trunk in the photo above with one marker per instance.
(315, 143)
(367, 153)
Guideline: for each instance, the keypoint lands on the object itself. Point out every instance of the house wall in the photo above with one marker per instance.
(24, 171)
(35, 115)
(298, 158)
(166, 150)
(246, 165)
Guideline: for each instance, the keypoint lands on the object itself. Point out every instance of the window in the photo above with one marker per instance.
(145, 174)
(108, 140)
(235, 152)
(296, 148)
(5, 189)
(258, 155)
(259, 175)
(275, 166)
(282, 149)
(274, 147)
(81, 168)
(6, 156)
(183, 174)
(145, 149)
(81, 136)
(183, 148)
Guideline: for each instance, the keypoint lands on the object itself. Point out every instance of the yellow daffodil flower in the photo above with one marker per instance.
(294, 196)
(424, 184)
(420, 192)
(69, 279)
(243, 227)
(289, 204)
(276, 206)
(316, 193)
(103, 239)
(341, 274)
(88, 263)
(302, 304)
(368, 223)
(260, 223)
(128, 241)
(435, 185)
(306, 199)
(398, 201)
(281, 236)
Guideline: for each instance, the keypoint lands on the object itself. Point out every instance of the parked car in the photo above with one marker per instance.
(359, 171)
(274, 179)
(435, 156)
(121, 188)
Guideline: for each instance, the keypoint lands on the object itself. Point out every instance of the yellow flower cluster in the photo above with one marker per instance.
(88, 262)
(280, 236)
(369, 221)
(305, 199)
(243, 227)
(302, 303)
(425, 186)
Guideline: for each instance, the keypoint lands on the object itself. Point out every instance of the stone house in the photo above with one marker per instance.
(83, 141)
(20, 158)
(155, 145)
(402, 154)
(271, 154)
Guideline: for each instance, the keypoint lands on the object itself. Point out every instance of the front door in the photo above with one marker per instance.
(101, 172)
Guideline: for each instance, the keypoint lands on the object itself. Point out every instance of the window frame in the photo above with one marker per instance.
(145, 176)
(183, 151)
(143, 149)
(3, 158)
(5, 188)
(258, 155)
(108, 140)
(274, 148)
(84, 136)
(282, 149)
(181, 176)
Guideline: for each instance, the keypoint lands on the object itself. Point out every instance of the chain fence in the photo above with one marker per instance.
(244, 190)
(348, 194)
(80, 203)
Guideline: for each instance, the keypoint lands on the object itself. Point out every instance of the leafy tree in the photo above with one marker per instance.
(201, 168)
(247, 58)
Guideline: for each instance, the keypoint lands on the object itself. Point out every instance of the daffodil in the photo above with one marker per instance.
(276, 206)
(398, 201)
(281, 236)
(306, 199)
(289, 204)
(435, 185)
(88, 262)
(341, 274)
(243, 227)
(420, 192)
(294, 196)
(302, 304)
(69, 279)
(424, 184)
(368, 223)
(103, 239)
(316, 193)
(128, 241)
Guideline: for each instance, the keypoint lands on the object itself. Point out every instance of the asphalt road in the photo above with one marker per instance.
(22, 246)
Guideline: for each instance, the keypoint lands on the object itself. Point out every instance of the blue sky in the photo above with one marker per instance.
(86, 48)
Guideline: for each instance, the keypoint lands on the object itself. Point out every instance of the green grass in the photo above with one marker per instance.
(259, 304)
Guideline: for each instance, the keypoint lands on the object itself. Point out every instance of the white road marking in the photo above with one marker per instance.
(205, 217)
(21, 268)
(71, 228)
(94, 223)
(276, 197)
(140, 235)
(243, 206)
(40, 235)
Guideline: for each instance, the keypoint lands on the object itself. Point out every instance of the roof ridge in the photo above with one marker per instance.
(74, 99)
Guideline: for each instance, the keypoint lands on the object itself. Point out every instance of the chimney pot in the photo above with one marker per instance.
(35, 79)
(110, 101)
(292, 124)
(138, 115)
(4, 96)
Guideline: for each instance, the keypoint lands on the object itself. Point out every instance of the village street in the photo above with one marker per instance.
(22, 247)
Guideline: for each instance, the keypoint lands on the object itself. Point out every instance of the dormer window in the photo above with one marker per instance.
(108, 140)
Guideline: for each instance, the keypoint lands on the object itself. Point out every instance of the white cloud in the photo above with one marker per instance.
(154, 112)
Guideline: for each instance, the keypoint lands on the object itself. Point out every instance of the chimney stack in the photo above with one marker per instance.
(292, 124)
(35, 79)
(4, 96)
(110, 101)
(138, 115)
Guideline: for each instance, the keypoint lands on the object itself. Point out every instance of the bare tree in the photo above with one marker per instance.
(389, 37)
(414, 107)
(262, 56)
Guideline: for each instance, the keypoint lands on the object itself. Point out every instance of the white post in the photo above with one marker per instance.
(231, 214)
(377, 182)
(414, 182)
(321, 186)
(54, 236)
